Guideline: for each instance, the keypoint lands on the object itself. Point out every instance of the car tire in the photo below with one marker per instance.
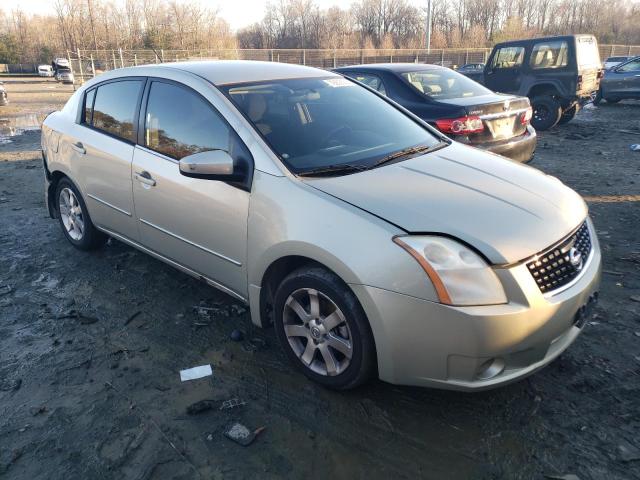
(74, 218)
(323, 329)
(568, 115)
(547, 112)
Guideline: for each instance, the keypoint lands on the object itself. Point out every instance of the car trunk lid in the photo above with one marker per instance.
(500, 115)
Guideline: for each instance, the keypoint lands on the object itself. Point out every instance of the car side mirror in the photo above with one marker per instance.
(212, 164)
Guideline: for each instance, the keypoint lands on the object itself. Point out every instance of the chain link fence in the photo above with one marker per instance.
(89, 63)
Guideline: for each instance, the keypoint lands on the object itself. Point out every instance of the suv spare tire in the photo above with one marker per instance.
(547, 112)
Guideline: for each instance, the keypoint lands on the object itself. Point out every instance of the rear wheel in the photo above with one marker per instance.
(74, 218)
(568, 115)
(547, 112)
(323, 330)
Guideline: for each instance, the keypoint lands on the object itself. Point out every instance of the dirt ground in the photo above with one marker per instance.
(91, 345)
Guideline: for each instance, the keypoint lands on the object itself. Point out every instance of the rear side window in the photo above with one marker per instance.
(630, 67)
(115, 106)
(369, 80)
(550, 55)
(179, 122)
(508, 57)
(88, 106)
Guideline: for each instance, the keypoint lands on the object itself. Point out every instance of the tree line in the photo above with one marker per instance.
(168, 24)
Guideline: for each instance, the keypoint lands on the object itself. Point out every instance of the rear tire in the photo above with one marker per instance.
(323, 330)
(568, 115)
(547, 112)
(74, 218)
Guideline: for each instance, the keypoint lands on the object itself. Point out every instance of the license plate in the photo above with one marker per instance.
(501, 127)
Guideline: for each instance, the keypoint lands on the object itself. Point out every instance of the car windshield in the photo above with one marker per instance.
(443, 84)
(327, 123)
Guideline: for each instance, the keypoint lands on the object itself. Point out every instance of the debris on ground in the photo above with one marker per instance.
(254, 345)
(241, 434)
(201, 406)
(628, 453)
(232, 403)
(196, 372)
(635, 147)
(237, 335)
(132, 317)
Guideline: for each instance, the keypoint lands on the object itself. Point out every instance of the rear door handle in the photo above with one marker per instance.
(78, 147)
(145, 177)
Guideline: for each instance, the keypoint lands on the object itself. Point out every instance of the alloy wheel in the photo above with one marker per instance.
(317, 332)
(71, 214)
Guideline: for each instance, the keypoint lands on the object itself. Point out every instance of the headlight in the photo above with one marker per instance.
(459, 275)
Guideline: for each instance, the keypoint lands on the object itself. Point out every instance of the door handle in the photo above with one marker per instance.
(145, 177)
(78, 147)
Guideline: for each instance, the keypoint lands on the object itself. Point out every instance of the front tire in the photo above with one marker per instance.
(547, 112)
(74, 218)
(323, 329)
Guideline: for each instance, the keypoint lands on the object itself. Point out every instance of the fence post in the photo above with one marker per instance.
(135, 59)
(304, 57)
(93, 66)
(80, 67)
(113, 55)
(162, 55)
(442, 57)
(466, 56)
(121, 59)
(334, 58)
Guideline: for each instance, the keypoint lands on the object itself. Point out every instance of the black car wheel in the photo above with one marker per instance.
(547, 112)
(568, 115)
(323, 329)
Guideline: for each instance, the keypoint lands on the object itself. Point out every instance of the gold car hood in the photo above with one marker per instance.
(508, 211)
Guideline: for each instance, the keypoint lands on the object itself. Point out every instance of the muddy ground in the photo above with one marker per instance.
(91, 345)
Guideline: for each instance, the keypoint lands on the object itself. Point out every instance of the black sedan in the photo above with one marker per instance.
(457, 106)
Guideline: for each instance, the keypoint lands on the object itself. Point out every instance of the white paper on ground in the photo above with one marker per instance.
(195, 372)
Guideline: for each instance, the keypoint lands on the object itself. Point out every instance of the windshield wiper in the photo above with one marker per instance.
(333, 169)
(409, 151)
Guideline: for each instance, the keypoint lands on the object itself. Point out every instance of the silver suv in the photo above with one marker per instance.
(371, 242)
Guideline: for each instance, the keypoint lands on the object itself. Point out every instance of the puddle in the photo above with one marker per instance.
(14, 126)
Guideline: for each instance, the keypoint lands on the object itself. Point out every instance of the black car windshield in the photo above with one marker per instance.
(325, 123)
(441, 84)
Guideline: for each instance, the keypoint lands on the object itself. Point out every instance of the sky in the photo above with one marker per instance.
(239, 13)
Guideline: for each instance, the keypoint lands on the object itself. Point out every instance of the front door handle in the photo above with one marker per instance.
(145, 177)
(78, 147)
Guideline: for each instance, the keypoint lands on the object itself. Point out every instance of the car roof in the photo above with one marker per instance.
(541, 39)
(392, 67)
(224, 72)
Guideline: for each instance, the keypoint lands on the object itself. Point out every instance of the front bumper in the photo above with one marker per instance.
(520, 149)
(428, 344)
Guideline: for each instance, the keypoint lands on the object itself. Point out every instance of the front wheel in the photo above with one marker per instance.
(547, 112)
(323, 330)
(74, 218)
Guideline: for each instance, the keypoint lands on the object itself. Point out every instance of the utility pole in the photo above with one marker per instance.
(428, 39)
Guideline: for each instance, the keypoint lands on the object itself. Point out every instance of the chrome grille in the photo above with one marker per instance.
(554, 268)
